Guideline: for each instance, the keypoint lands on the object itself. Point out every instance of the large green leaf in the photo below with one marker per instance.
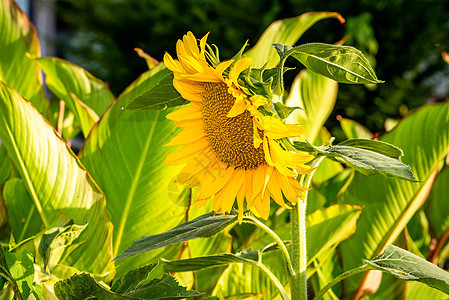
(286, 31)
(124, 153)
(23, 215)
(55, 179)
(17, 38)
(390, 203)
(316, 94)
(86, 96)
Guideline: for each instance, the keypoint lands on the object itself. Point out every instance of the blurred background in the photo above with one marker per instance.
(404, 39)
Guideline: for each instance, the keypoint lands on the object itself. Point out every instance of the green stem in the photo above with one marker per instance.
(298, 281)
(274, 279)
(279, 242)
(340, 277)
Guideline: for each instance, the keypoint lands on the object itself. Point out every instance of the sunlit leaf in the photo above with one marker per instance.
(55, 179)
(389, 203)
(353, 129)
(23, 215)
(286, 31)
(86, 96)
(17, 38)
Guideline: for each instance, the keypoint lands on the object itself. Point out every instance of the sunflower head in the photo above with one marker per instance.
(234, 143)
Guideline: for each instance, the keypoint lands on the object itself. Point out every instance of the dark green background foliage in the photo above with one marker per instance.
(403, 38)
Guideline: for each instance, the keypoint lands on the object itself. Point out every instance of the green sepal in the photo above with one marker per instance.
(283, 110)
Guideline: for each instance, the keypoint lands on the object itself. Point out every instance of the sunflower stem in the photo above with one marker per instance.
(298, 281)
(276, 238)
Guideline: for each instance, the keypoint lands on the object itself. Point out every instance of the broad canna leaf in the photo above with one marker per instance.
(85, 95)
(55, 179)
(23, 215)
(17, 38)
(286, 31)
(124, 153)
(437, 209)
(390, 203)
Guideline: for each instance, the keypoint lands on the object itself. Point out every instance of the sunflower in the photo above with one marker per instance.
(231, 149)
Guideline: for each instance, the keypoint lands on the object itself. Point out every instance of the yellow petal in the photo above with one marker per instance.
(230, 190)
(186, 113)
(238, 68)
(186, 153)
(187, 137)
(256, 137)
(213, 180)
(238, 108)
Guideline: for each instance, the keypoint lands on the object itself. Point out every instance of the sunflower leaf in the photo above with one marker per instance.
(368, 158)
(407, 266)
(376, 146)
(344, 64)
(204, 226)
(198, 263)
(160, 95)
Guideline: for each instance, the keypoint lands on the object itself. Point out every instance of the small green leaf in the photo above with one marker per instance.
(161, 95)
(204, 226)
(55, 241)
(407, 266)
(22, 271)
(380, 147)
(283, 110)
(198, 263)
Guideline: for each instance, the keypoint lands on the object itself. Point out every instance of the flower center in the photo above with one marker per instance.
(230, 138)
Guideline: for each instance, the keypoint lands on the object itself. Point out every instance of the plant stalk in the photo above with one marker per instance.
(298, 281)
(339, 278)
(279, 242)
